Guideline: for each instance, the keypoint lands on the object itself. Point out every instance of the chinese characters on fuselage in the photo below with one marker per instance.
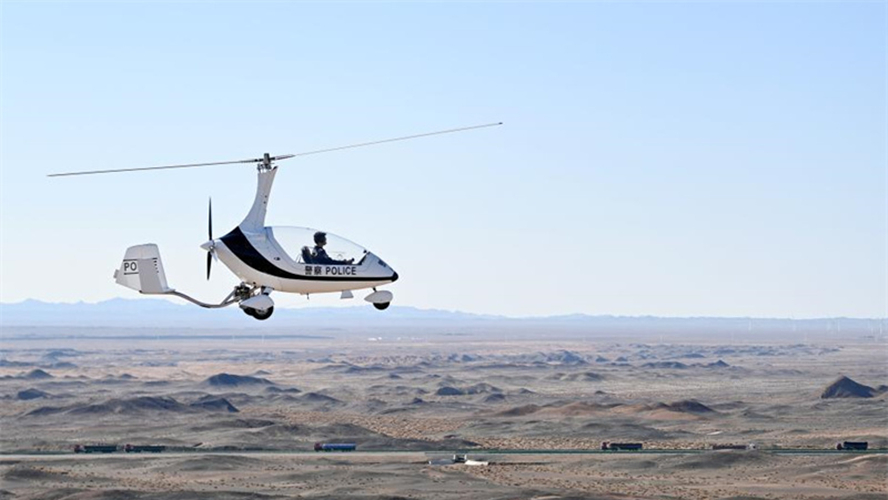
(331, 270)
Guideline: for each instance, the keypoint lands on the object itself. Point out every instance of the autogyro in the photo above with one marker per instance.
(266, 259)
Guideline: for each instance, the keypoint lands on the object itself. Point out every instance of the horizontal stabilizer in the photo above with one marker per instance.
(142, 270)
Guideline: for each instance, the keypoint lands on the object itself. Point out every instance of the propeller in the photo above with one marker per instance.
(210, 245)
(265, 162)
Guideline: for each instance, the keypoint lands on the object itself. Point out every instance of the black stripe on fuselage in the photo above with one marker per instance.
(240, 246)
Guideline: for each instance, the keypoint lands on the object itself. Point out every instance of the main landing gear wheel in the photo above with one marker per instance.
(381, 306)
(260, 315)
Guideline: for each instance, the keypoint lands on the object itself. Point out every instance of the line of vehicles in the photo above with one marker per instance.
(153, 448)
(112, 448)
(346, 447)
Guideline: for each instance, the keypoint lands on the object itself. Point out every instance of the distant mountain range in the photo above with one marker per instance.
(149, 313)
(156, 312)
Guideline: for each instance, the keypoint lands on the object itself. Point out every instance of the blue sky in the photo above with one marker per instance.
(657, 158)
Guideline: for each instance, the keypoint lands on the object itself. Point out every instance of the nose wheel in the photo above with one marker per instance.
(260, 315)
(380, 299)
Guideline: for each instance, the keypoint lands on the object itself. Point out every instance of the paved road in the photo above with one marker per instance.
(473, 452)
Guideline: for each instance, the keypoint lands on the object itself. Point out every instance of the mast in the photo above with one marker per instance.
(254, 222)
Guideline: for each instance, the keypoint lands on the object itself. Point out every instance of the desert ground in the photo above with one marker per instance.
(239, 413)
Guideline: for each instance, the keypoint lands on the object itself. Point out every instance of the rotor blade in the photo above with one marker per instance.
(372, 143)
(209, 263)
(279, 157)
(210, 221)
(165, 167)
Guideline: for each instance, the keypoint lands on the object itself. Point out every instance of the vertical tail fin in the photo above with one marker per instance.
(142, 270)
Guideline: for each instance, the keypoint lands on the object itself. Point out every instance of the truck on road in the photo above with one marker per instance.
(335, 446)
(95, 448)
(621, 446)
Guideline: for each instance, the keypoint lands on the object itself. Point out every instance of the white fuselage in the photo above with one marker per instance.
(255, 255)
(258, 259)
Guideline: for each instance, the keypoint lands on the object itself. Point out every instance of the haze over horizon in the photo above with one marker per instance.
(27, 308)
(698, 159)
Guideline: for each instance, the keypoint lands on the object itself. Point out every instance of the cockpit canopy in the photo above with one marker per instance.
(298, 243)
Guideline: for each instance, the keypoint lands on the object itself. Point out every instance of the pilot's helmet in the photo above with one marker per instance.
(320, 237)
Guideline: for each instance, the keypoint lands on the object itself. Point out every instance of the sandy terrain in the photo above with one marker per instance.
(239, 415)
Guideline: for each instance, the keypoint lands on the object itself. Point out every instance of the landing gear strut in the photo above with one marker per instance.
(259, 306)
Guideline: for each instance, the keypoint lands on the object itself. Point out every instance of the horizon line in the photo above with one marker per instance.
(488, 315)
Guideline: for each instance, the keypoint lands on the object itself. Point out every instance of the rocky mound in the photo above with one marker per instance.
(671, 365)
(278, 390)
(130, 406)
(495, 398)
(59, 365)
(5, 363)
(29, 394)
(519, 411)
(479, 388)
(355, 369)
(718, 364)
(37, 374)
(575, 377)
(576, 408)
(229, 380)
(566, 358)
(689, 406)
(694, 355)
(217, 404)
(463, 358)
(482, 388)
(449, 391)
(844, 387)
(318, 401)
(398, 390)
(116, 406)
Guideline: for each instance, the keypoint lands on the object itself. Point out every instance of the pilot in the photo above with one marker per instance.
(319, 255)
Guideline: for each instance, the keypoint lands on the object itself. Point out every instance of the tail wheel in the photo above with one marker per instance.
(382, 306)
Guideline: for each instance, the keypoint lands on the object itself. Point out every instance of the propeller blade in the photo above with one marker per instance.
(210, 219)
(211, 251)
